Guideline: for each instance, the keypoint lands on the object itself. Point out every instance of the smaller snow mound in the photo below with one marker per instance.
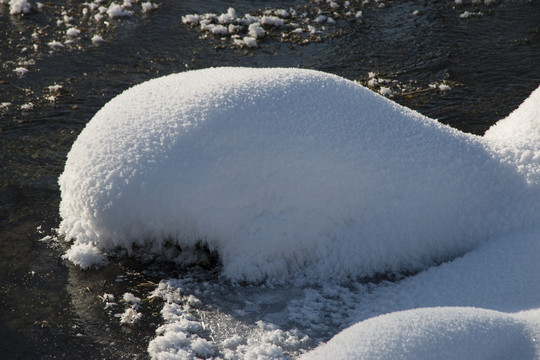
(517, 137)
(433, 333)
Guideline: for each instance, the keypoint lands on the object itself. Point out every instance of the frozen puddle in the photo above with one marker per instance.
(303, 184)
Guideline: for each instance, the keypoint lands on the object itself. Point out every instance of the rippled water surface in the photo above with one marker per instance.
(50, 309)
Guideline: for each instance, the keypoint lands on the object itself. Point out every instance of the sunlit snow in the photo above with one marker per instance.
(301, 177)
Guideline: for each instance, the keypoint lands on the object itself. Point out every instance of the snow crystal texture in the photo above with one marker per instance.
(451, 309)
(291, 174)
(433, 333)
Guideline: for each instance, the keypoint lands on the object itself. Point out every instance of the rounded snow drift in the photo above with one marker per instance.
(286, 173)
(433, 333)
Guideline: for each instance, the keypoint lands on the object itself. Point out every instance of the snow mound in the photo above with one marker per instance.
(433, 333)
(516, 138)
(288, 174)
(501, 275)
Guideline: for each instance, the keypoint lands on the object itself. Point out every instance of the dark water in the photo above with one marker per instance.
(50, 309)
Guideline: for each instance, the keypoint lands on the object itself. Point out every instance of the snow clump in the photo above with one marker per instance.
(19, 7)
(21, 71)
(116, 10)
(85, 256)
(96, 39)
(73, 32)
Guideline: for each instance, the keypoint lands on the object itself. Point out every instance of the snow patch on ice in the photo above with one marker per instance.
(250, 41)
(130, 316)
(148, 6)
(96, 39)
(255, 30)
(21, 71)
(187, 329)
(19, 7)
(5, 105)
(54, 88)
(55, 44)
(131, 299)
(444, 87)
(27, 106)
(116, 10)
(73, 32)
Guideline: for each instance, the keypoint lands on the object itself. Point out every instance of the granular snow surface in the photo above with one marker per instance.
(442, 313)
(304, 182)
(434, 333)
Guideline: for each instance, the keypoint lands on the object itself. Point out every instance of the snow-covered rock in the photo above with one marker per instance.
(290, 174)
